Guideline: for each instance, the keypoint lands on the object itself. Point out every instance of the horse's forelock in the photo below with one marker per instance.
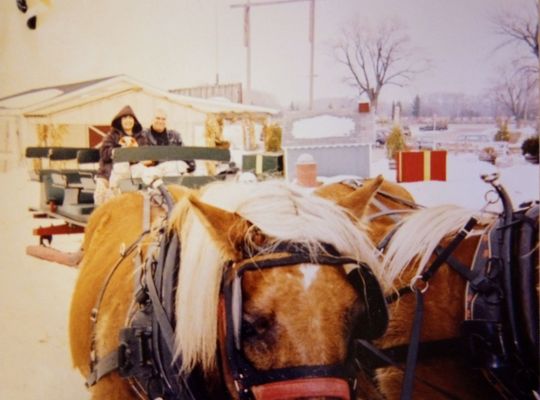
(281, 212)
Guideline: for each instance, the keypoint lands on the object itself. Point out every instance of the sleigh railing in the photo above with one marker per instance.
(220, 158)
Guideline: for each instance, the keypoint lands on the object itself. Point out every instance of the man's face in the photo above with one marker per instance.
(160, 122)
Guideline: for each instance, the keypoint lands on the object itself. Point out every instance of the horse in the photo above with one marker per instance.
(269, 287)
(377, 202)
(457, 350)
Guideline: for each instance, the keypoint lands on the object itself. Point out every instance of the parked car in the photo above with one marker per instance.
(438, 126)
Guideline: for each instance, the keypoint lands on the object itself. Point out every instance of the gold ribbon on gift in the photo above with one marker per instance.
(427, 165)
(259, 164)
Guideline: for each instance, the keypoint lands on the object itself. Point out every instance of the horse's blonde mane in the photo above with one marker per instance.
(421, 232)
(278, 210)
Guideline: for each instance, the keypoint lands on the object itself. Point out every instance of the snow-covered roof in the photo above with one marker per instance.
(322, 130)
(30, 97)
(322, 126)
(55, 99)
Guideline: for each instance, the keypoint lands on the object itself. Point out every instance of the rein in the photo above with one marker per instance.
(419, 285)
(443, 255)
(100, 368)
(491, 289)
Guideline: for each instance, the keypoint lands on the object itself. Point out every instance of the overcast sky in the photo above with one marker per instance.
(175, 43)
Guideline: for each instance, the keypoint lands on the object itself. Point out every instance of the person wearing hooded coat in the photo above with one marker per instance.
(126, 131)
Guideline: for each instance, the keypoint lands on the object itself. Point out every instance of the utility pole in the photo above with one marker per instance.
(247, 41)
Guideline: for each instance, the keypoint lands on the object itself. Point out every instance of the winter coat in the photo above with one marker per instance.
(167, 138)
(112, 139)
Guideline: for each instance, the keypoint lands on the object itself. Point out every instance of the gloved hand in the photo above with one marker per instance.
(191, 165)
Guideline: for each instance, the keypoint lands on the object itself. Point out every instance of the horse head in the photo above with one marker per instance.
(274, 286)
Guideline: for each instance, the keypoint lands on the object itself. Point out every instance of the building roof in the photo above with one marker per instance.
(50, 100)
(32, 96)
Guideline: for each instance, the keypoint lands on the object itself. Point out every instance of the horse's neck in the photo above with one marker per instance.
(444, 303)
(444, 299)
(382, 219)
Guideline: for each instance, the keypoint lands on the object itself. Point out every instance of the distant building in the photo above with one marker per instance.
(339, 142)
(79, 114)
(231, 91)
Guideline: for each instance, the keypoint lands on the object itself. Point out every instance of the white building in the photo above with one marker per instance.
(79, 114)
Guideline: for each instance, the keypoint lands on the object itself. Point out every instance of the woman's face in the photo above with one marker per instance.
(128, 122)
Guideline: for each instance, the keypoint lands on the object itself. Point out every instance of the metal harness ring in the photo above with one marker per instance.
(414, 282)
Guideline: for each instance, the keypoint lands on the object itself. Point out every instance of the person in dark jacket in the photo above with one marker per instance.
(126, 131)
(159, 135)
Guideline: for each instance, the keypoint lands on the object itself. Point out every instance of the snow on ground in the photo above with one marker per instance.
(322, 126)
(464, 187)
(35, 295)
(35, 362)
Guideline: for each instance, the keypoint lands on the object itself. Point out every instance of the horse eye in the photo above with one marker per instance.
(256, 327)
(248, 330)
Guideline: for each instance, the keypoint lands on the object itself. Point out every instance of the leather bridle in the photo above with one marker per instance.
(335, 381)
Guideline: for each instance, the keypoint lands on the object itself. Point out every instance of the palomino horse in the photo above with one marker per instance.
(454, 355)
(272, 286)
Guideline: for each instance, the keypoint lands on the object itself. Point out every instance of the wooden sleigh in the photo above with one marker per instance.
(67, 193)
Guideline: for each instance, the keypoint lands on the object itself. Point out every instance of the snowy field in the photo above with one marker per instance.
(35, 294)
(464, 187)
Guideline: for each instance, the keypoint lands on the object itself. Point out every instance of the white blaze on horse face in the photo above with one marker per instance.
(310, 272)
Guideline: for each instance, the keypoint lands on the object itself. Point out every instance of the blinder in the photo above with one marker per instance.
(370, 325)
(373, 322)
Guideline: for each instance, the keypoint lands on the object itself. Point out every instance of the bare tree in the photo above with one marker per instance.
(376, 58)
(516, 93)
(519, 25)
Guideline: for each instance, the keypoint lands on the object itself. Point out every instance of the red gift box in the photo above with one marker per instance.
(363, 108)
(414, 166)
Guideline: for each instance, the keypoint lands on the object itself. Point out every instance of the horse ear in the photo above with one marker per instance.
(226, 228)
(358, 201)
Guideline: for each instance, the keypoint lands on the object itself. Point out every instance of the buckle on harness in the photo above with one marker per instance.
(419, 284)
(135, 352)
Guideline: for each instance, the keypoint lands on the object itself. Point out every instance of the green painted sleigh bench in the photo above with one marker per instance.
(65, 192)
